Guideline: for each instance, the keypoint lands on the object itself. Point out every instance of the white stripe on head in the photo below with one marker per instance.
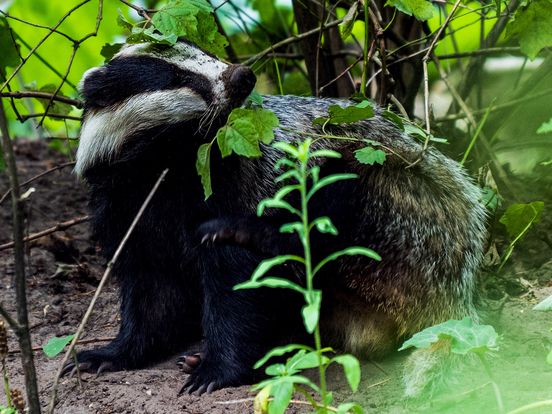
(104, 131)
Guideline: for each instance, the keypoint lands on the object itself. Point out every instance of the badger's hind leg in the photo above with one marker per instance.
(240, 326)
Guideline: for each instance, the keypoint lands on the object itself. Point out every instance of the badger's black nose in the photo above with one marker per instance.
(239, 81)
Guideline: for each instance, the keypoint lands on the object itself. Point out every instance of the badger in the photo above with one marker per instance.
(150, 108)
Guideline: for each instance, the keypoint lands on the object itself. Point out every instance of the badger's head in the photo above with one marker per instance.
(148, 86)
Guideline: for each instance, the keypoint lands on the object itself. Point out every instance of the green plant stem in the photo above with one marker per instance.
(532, 406)
(308, 270)
(365, 49)
(498, 394)
(6, 383)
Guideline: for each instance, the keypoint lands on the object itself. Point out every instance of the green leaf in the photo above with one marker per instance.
(255, 97)
(8, 46)
(350, 251)
(370, 156)
(272, 203)
(351, 366)
(349, 408)
(490, 198)
(192, 19)
(287, 148)
(349, 21)
(123, 22)
(324, 225)
(271, 282)
(141, 35)
(282, 396)
(55, 345)
(203, 167)
(532, 27)
(56, 107)
(420, 9)
(345, 115)
(311, 311)
(545, 128)
(464, 337)
(544, 305)
(268, 264)
(292, 227)
(519, 217)
(330, 179)
(305, 360)
(245, 130)
(279, 351)
(325, 153)
(109, 50)
(394, 118)
(549, 358)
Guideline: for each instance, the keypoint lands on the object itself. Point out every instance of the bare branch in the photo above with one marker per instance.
(36, 177)
(64, 225)
(42, 95)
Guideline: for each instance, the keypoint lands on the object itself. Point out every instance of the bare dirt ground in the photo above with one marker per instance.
(64, 269)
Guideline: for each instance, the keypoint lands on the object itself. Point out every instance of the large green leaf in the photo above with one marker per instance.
(245, 130)
(420, 9)
(464, 336)
(351, 366)
(519, 217)
(370, 156)
(532, 26)
(338, 115)
(192, 19)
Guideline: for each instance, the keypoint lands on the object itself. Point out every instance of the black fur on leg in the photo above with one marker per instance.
(239, 326)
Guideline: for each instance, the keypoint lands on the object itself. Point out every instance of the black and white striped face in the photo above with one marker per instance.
(145, 86)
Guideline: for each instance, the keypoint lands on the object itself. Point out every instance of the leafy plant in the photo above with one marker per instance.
(245, 129)
(55, 345)
(518, 219)
(463, 337)
(299, 177)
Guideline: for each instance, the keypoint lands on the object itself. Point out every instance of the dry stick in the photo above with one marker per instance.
(40, 26)
(140, 10)
(31, 52)
(103, 281)
(426, 81)
(36, 177)
(290, 40)
(42, 95)
(22, 327)
(64, 225)
(56, 116)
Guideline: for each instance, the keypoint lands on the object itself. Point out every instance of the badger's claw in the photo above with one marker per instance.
(189, 363)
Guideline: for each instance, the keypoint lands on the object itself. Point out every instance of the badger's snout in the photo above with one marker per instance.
(239, 81)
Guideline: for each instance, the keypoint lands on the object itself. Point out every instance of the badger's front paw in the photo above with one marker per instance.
(225, 231)
(95, 361)
(206, 378)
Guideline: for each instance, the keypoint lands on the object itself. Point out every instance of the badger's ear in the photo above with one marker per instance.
(97, 87)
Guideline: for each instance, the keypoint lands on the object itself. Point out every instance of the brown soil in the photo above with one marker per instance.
(63, 270)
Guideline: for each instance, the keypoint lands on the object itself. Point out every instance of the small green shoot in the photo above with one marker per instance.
(275, 393)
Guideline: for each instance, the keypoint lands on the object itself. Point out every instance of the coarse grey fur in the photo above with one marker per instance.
(427, 221)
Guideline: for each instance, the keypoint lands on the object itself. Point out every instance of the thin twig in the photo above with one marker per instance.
(290, 40)
(42, 95)
(64, 225)
(41, 41)
(102, 283)
(425, 59)
(36, 177)
(54, 116)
